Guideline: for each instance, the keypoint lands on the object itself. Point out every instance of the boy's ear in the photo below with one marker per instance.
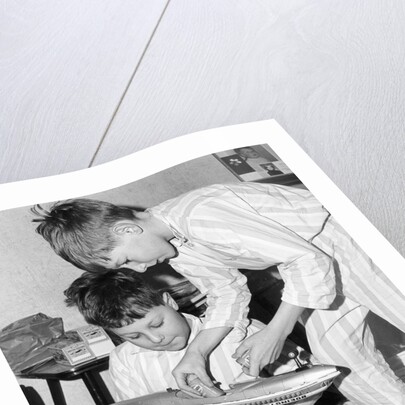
(168, 300)
(123, 227)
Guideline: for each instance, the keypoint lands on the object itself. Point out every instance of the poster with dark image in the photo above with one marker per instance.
(238, 165)
(271, 169)
(257, 163)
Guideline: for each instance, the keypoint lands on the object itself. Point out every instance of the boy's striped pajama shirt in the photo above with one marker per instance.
(222, 228)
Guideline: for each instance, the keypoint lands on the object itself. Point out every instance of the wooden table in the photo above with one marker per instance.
(89, 372)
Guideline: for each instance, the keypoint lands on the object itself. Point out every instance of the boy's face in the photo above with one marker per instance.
(162, 328)
(139, 249)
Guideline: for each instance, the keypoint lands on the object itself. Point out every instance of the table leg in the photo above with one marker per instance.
(56, 392)
(97, 388)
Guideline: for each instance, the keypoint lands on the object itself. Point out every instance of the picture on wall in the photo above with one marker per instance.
(257, 163)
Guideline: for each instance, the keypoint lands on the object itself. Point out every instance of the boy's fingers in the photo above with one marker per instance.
(246, 370)
(192, 393)
(240, 351)
(181, 381)
(244, 360)
(253, 369)
(204, 379)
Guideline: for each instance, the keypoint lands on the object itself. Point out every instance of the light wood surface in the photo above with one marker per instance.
(87, 82)
(64, 67)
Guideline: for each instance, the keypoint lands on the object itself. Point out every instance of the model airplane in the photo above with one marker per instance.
(304, 383)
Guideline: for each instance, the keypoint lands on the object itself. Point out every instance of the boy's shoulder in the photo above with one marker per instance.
(191, 196)
(195, 200)
(217, 193)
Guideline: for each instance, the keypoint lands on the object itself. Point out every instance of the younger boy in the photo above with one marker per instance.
(156, 334)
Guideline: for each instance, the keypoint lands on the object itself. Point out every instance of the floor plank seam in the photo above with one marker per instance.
(128, 85)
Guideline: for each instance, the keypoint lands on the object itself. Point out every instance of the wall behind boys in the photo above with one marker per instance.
(32, 277)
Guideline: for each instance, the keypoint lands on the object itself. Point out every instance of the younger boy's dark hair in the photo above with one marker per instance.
(113, 298)
(80, 230)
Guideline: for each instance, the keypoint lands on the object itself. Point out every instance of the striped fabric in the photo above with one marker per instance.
(221, 228)
(136, 371)
(248, 225)
(341, 334)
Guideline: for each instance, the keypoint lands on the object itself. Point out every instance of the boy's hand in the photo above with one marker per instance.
(262, 348)
(265, 347)
(192, 363)
(195, 359)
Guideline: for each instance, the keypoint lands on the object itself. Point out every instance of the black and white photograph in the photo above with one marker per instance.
(199, 282)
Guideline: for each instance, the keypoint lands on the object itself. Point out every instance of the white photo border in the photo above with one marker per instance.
(182, 149)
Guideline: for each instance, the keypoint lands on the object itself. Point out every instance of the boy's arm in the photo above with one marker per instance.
(265, 346)
(271, 229)
(228, 298)
(195, 358)
(227, 293)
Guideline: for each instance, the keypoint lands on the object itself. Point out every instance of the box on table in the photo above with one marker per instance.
(81, 345)
(96, 339)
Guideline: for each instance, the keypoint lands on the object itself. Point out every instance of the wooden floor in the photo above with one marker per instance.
(83, 83)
